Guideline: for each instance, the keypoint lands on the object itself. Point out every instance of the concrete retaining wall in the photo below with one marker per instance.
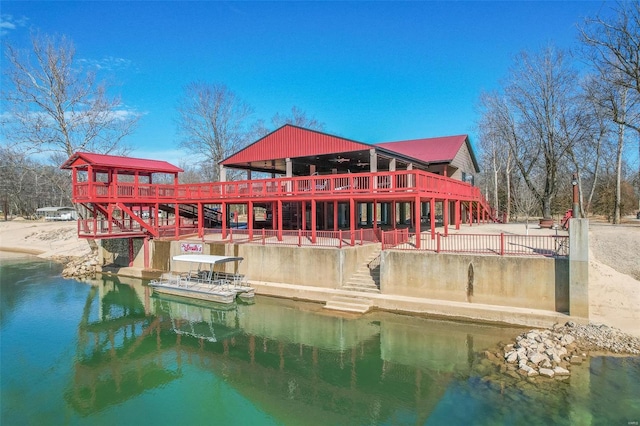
(536, 283)
(313, 273)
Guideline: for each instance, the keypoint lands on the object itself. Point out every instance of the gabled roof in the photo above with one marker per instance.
(291, 141)
(431, 150)
(83, 159)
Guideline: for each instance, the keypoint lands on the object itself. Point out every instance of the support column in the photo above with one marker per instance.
(456, 214)
(313, 221)
(279, 220)
(375, 214)
(273, 215)
(445, 217)
(335, 215)
(416, 214)
(579, 268)
(200, 220)
(352, 219)
(223, 174)
(288, 173)
(223, 211)
(176, 216)
(432, 217)
(373, 160)
(250, 219)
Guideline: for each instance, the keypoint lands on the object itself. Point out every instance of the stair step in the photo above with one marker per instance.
(368, 289)
(349, 304)
(352, 299)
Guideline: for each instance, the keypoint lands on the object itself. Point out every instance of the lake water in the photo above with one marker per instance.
(108, 352)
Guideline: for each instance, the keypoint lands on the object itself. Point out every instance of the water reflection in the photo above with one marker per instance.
(285, 362)
(293, 358)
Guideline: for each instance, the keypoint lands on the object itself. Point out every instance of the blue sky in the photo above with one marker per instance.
(370, 71)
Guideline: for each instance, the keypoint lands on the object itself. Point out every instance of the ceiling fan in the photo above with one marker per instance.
(362, 163)
(340, 160)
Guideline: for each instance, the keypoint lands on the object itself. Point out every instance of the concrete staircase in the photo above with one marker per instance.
(365, 280)
(358, 305)
(367, 277)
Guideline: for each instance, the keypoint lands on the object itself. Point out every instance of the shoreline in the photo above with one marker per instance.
(11, 251)
(614, 295)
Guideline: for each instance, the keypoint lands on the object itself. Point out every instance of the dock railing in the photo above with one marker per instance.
(402, 239)
(487, 244)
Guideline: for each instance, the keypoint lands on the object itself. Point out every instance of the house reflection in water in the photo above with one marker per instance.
(294, 360)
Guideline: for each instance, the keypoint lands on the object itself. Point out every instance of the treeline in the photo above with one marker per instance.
(551, 126)
(26, 185)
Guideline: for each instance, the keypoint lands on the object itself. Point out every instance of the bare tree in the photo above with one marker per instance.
(212, 124)
(612, 47)
(587, 155)
(525, 202)
(496, 150)
(542, 119)
(298, 117)
(53, 107)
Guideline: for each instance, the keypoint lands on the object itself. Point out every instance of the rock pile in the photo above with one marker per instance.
(543, 353)
(551, 353)
(80, 267)
(599, 337)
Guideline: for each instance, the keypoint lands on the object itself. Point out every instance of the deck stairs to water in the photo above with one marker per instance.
(367, 277)
(359, 305)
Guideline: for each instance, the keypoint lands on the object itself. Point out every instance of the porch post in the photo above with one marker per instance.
(445, 217)
(109, 217)
(373, 160)
(90, 180)
(200, 220)
(273, 215)
(223, 174)
(223, 211)
(335, 215)
(456, 214)
(375, 214)
(250, 219)
(176, 225)
(352, 220)
(416, 215)
(288, 173)
(432, 217)
(313, 221)
(279, 220)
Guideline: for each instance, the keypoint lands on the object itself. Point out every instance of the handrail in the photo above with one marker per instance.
(339, 184)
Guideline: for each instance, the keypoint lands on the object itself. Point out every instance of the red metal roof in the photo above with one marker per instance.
(292, 141)
(429, 150)
(80, 159)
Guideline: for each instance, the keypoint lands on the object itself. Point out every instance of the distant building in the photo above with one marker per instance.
(57, 213)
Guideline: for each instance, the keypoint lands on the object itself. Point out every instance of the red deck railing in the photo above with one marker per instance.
(361, 183)
(492, 244)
